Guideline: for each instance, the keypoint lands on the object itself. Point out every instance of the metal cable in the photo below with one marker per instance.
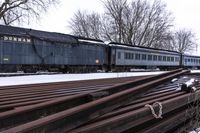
(153, 111)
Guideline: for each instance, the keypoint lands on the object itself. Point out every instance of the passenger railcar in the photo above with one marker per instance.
(191, 61)
(124, 56)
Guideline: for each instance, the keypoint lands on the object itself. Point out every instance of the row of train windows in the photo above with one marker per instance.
(137, 56)
(192, 60)
(16, 39)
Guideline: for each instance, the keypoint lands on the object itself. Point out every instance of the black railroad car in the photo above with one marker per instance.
(32, 50)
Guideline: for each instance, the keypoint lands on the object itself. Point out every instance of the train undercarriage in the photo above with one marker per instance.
(84, 68)
(53, 68)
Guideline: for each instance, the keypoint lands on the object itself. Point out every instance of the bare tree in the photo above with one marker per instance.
(138, 22)
(95, 25)
(22, 10)
(147, 24)
(184, 41)
(115, 15)
(168, 42)
(86, 24)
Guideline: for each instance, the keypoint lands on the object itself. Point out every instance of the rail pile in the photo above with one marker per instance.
(21, 95)
(161, 103)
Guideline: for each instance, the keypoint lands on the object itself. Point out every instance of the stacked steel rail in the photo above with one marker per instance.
(123, 107)
(21, 95)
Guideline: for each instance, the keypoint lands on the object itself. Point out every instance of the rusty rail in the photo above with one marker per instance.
(121, 95)
(135, 118)
(36, 111)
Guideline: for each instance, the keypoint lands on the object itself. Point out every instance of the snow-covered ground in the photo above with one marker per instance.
(195, 71)
(33, 79)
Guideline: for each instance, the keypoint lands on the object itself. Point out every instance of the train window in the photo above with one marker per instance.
(132, 55)
(172, 59)
(199, 61)
(188, 60)
(144, 56)
(137, 56)
(185, 60)
(128, 57)
(149, 57)
(168, 58)
(155, 57)
(159, 58)
(164, 58)
(191, 60)
(119, 55)
(176, 59)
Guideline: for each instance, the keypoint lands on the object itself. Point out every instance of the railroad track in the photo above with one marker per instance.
(120, 107)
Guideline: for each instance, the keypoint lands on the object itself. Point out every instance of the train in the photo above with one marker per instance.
(30, 50)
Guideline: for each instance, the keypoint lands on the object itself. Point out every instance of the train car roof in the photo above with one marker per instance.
(44, 35)
(89, 40)
(139, 47)
(192, 56)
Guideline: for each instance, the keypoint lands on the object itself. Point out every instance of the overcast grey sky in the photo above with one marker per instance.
(185, 12)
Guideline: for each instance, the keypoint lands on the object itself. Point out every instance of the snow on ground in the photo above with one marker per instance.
(195, 71)
(33, 79)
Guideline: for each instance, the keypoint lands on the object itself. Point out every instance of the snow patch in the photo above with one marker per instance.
(34, 79)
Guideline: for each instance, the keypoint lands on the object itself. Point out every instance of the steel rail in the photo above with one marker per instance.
(133, 107)
(129, 120)
(51, 93)
(67, 120)
(165, 125)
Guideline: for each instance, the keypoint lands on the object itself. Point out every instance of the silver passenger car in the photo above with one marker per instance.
(128, 55)
(191, 61)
